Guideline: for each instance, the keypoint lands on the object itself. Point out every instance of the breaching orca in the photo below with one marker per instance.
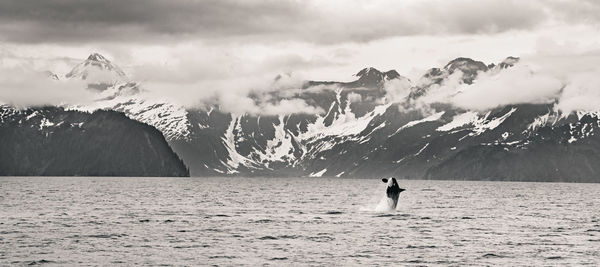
(393, 192)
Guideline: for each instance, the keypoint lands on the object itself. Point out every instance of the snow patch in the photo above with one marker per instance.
(459, 121)
(400, 160)
(367, 137)
(539, 122)
(318, 174)
(280, 148)
(235, 159)
(171, 120)
(45, 123)
(421, 150)
(345, 124)
(433, 117)
(479, 124)
(33, 114)
(484, 125)
(78, 124)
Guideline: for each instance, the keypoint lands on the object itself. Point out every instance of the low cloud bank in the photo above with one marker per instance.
(517, 85)
(581, 93)
(23, 88)
(572, 82)
(258, 91)
(258, 95)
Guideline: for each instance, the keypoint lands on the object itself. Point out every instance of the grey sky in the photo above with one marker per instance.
(64, 21)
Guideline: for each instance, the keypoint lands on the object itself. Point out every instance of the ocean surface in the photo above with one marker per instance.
(298, 221)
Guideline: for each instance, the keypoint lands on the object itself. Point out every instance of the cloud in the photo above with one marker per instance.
(581, 94)
(397, 90)
(207, 77)
(23, 88)
(354, 97)
(517, 85)
(582, 11)
(317, 21)
(579, 72)
(191, 62)
(570, 81)
(581, 75)
(72, 20)
(290, 106)
(243, 95)
(441, 93)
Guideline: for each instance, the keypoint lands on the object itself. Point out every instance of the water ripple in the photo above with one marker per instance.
(294, 222)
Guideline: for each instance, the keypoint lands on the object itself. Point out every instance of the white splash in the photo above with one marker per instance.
(385, 204)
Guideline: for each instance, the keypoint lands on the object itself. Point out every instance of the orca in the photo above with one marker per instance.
(393, 192)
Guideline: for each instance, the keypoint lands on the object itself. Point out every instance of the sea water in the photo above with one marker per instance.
(295, 221)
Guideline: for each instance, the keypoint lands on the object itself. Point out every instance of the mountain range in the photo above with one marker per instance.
(366, 130)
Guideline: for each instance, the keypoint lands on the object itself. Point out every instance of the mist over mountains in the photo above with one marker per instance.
(465, 120)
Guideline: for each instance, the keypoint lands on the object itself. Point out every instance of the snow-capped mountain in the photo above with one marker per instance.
(371, 138)
(116, 91)
(371, 77)
(362, 133)
(98, 71)
(96, 63)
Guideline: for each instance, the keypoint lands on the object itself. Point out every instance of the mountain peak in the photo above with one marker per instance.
(98, 71)
(391, 74)
(465, 64)
(373, 78)
(508, 62)
(97, 57)
(371, 72)
(368, 71)
(51, 75)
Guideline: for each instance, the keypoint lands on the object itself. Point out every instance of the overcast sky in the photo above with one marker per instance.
(209, 42)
